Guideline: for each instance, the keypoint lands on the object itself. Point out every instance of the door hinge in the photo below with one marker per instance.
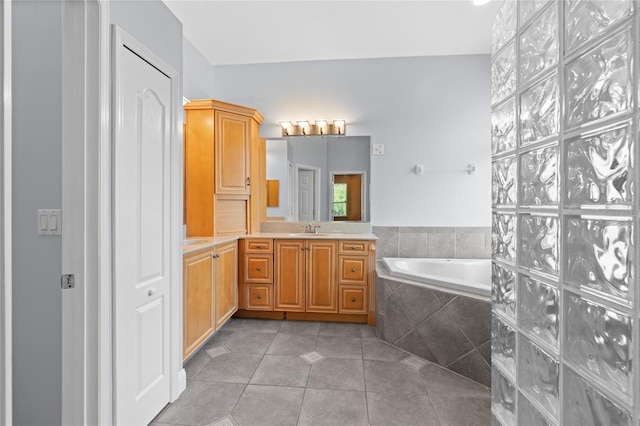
(68, 281)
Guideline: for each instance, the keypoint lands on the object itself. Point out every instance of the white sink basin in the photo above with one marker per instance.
(192, 242)
(308, 234)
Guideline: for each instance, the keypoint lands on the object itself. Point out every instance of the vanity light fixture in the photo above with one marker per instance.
(319, 127)
(304, 127)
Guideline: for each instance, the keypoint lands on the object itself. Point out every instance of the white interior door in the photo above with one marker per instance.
(141, 247)
(306, 195)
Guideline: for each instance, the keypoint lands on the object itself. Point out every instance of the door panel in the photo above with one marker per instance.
(289, 275)
(232, 153)
(226, 283)
(322, 289)
(306, 195)
(141, 241)
(197, 303)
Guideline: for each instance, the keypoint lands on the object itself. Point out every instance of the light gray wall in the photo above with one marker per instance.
(277, 169)
(152, 24)
(37, 174)
(198, 73)
(37, 146)
(428, 110)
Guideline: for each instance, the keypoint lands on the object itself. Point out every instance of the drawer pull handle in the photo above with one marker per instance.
(258, 268)
(259, 297)
(353, 269)
(353, 299)
(353, 247)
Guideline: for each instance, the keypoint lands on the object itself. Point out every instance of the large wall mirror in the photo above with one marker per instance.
(318, 178)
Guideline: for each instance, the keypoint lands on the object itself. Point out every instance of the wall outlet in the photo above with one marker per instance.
(378, 149)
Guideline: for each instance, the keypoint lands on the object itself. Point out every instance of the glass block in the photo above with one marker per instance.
(503, 76)
(538, 309)
(587, 19)
(598, 339)
(504, 26)
(503, 344)
(599, 82)
(599, 255)
(503, 182)
(528, 8)
(503, 241)
(539, 243)
(503, 397)
(598, 167)
(529, 415)
(503, 295)
(539, 111)
(539, 176)
(539, 44)
(585, 405)
(538, 374)
(503, 128)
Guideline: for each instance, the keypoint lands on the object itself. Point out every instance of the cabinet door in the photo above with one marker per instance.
(226, 284)
(232, 157)
(198, 298)
(322, 285)
(289, 275)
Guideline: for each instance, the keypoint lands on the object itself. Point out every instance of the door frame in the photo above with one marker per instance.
(6, 380)
(87, 311)
(317, 174)
(363, 189)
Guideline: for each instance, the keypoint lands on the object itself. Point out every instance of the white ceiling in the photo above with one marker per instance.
(244, 32)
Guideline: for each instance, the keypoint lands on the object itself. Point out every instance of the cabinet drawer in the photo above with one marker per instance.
(259, 297)
(255, 245)
(353, 269)
(258, 268)
(350, 247)
(353, 299)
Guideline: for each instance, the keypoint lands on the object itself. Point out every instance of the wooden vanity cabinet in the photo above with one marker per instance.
(305, 276)
(210, 293)
(224, 162)
(198, 300)
(256, 269)
(313, 279)
(226, 282)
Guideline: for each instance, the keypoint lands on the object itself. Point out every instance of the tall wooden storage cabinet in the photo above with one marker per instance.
(224, 169)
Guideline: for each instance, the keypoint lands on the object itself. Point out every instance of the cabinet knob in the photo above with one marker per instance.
(248, 181)
(353, 269)
(353, 299)
(259, 297)
(258, 268)
(353, 247)
(151, 292)
(259, 246)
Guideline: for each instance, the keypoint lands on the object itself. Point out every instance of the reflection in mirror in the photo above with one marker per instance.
(320, 178)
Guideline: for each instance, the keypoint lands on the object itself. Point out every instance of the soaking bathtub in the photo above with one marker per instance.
(467, 277)
(438, 310)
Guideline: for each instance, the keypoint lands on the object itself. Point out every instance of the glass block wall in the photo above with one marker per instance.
(565, 126)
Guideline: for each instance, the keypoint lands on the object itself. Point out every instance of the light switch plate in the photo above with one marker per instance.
(49, 222)
(378, 149)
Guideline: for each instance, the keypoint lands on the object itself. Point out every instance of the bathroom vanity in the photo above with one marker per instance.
(328, 277)
(233, 264)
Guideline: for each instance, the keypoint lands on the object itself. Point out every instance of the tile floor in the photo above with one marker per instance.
(263, 372)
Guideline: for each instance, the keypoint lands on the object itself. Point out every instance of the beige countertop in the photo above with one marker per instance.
(201, 243)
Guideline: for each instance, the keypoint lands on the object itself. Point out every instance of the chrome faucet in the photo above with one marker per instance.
(311, 228)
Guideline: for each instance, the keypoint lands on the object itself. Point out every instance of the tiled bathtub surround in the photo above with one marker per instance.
(443, 328)
(565, 300)
(437, 242)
